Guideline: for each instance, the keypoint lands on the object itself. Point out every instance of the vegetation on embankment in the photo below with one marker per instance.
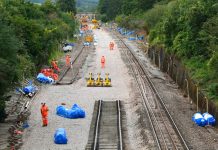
(185, 28)
(29, 37)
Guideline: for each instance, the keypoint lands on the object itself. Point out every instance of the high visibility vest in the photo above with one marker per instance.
(44, 111)
(102, 60)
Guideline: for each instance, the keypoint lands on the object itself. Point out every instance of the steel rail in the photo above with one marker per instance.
(146, 101)
(157, 95)
(146, 108)
(97, 125)
(119, 126)
(68, 68)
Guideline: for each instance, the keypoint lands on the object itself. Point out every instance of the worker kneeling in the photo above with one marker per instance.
(60, 136)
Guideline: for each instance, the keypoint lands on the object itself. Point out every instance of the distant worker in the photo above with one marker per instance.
(44, 113)
(102, 62)
(111, 45)
(54, 65)
(67, 58)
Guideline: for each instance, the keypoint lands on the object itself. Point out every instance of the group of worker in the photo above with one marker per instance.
(111, 47)
(55, 65)
(44, 108)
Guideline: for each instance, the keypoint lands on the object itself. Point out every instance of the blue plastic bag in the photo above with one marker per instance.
(29, 89)
(61, 111)
(210, 120)
(60, 136)
(73, 113)
(43, 79)
(80, 111)
(199, 119)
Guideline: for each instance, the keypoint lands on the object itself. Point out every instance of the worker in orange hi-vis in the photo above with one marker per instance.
(112, 45)
(67, 60)
(54, 65)
(44, 113)
(102, 62)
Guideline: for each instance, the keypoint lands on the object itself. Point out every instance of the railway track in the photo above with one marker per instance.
(165, 130)
(18, 112)
(69, 74)
(106, 127)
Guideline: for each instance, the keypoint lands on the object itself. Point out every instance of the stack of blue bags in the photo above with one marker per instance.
(203, 120)
(29, 89)
(43, 79)
(73, 113)
(60, 136)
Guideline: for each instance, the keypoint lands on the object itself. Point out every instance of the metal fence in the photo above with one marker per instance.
(176, 70)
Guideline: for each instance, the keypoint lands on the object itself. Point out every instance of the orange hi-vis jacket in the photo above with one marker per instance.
(44, 111)
(102, 60)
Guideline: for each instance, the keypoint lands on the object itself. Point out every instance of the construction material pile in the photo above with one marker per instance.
(73, 113)
(203, 120)
(60, 136)
(43, 79)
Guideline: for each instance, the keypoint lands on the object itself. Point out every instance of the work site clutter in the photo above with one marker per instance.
(99, 81)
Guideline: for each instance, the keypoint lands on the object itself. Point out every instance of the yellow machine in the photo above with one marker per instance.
(107, 80)
(90, 81)
(99, 80)
(96, 24)
(89, 38)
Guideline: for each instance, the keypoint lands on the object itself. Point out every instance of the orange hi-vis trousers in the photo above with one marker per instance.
(102, 65)
(45, 120)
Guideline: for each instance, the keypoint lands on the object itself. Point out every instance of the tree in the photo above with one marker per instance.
(67, 5)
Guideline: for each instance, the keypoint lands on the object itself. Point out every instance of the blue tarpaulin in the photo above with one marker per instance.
(29, 89)
(210, 120)
(73, 113)
(43, 79)
(60, 136)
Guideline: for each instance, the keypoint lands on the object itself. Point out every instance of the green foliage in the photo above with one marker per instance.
(185, 28)
(67, 5)
(29, 36)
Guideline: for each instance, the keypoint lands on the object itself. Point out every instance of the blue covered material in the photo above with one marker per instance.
(29, 89)
(140, 37)
(199, 119)
(43, 79)
(73, 113)
(131, 38)
(86, 43)
(70, 44)
(60, 136)
(81, 112)
(210, 120)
